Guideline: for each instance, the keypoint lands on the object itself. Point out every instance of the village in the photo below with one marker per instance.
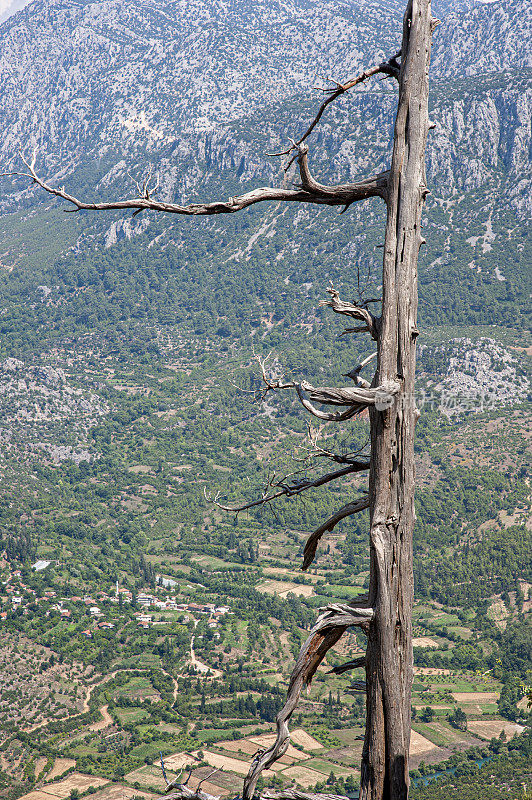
(98, 607)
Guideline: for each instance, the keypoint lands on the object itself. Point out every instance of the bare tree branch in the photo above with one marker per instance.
(389, 68)
(355, 373)
(357, 686)
(292, 488)
(327, 526)
(316, 451)
(183, 792)
(357, 399)
(354, 663)
(329, 627)
(310, 191)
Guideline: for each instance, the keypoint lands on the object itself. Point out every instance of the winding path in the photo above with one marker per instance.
(103, 709)
(199, 666)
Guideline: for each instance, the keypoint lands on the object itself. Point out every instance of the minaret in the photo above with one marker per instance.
(116, 590)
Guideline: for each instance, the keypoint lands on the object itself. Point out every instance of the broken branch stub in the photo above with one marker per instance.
(354, 663)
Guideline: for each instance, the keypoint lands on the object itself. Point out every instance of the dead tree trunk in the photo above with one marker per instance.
(385, 615)
(389, 660)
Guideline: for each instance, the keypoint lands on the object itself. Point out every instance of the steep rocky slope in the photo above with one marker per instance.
(80, 77)
(200, 91)
(76, 74)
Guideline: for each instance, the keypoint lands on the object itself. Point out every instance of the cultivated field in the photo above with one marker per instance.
(489, 729)
(475, 697)
(305, 740)
(424, 641)
(284, 588)
(177, 761)
(233, 764)
(267, 739)
(419, 745)
(150, 776)
(60, 767)
(118, 791)
(304, 776)
(77, 781)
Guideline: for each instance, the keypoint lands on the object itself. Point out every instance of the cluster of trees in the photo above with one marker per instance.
(496, 773)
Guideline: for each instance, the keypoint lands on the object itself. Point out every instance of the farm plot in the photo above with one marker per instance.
(74, 781)
(431, 671)
(233, 764)
(424, 641)
(305, 740)
(246, 749)
(239, 746)
(118, 791)
(176, 761)
(126, 715)
(419, 745)
(430, 732)
(60, 767)
(223, 781)
(348, 736)
(138, 688)
(152, 777)
(326, 767)
(489, 729)
(475, 697)
(267, 739)
(346, 755)
(304, 776)
(210, 787)
(284, 588)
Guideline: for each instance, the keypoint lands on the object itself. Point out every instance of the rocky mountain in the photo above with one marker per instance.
(199, 92)
(80, 74)
(81, 77)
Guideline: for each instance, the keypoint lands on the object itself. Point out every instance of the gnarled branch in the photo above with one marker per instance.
(317, 451)
(360, 312)
(310, 192)
(357, 398)
(389, 68)
(329, 627)
(293, 487)
(355, 663)
(346, 511)
(357, 686)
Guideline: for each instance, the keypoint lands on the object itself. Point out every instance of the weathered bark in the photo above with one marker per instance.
(389, 659)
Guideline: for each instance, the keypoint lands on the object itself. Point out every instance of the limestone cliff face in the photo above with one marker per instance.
(488, 37)
(202, 89)
(74, 74)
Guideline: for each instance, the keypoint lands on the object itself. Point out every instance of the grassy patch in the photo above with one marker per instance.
(434, 736)
(126, 715)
